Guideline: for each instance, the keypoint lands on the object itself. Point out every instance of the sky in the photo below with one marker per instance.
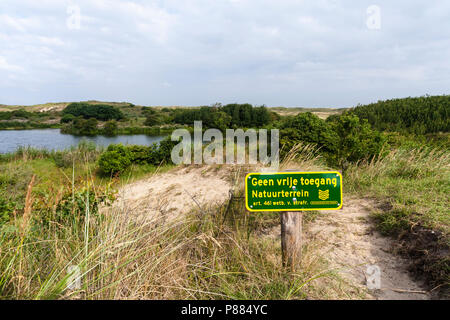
(317, 53)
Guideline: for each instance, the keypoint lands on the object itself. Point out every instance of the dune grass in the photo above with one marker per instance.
(72, 236)
(415, 183)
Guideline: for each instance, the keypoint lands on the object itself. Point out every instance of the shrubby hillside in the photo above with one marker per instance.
(100, 111)
(421, 115)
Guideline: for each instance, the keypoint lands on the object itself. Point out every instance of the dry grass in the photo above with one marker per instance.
(209, 253)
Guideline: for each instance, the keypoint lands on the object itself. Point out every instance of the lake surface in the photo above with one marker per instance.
(52, 139)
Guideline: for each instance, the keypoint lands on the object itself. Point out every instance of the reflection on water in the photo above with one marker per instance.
(52, 139)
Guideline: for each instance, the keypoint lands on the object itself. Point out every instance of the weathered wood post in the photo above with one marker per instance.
(291, 239)
(291, 236)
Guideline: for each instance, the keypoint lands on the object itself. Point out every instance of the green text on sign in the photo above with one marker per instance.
(293, 191)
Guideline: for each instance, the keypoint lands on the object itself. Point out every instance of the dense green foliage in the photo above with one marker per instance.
(16, 125)
(245, 115)
(81, 127)
(25, 115)
(156, 117)
(118, 158)
(101, 112)
(341, 139)
(67, 118)
(356, 140)
(222, 117)
(429, 114)
(309, 128)
(22, 119)
(110, 128)
(16, 114)
(211, 117)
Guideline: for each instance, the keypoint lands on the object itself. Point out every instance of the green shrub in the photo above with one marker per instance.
(165, 150)
(67, 118)
(116, 159)
(356, 140)
(110, 128)
(81, 127)
(63, 159)
(101, 112)
(309, 128)
(152, 120)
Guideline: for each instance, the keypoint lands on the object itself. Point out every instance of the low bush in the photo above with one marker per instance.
(99, 111)
(342, 139)
(110, 128)
(67, 118)
(118, 158)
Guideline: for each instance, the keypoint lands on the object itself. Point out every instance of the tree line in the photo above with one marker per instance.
(100, 112)
(222, 117)
(421, 115)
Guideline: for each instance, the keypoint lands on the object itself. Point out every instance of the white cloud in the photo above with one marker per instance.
(19, 24)
(4, 65)
(51, 41)
(289, 52)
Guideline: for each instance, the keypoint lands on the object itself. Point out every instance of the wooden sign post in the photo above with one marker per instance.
(291, 193)
(291, 239)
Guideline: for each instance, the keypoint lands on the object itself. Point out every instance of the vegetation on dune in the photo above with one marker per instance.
(342, 139)
(23, 114)
(81, 127)
(110, 128)
(22, 119)
(118, 158)
(222, 117)
(429, 114)
(88, 111)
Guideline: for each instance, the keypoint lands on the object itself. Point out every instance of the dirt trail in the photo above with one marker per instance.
(349, 241)
(175, 192)
(346, 238)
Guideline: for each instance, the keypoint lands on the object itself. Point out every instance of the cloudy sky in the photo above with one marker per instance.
(317, 53)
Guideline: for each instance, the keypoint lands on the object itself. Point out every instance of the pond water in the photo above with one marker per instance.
(52, 139)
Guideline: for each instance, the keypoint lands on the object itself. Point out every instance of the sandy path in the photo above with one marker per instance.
(348, 240)
(175, 192)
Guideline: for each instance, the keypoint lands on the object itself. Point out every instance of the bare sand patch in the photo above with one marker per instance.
(175, 192)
